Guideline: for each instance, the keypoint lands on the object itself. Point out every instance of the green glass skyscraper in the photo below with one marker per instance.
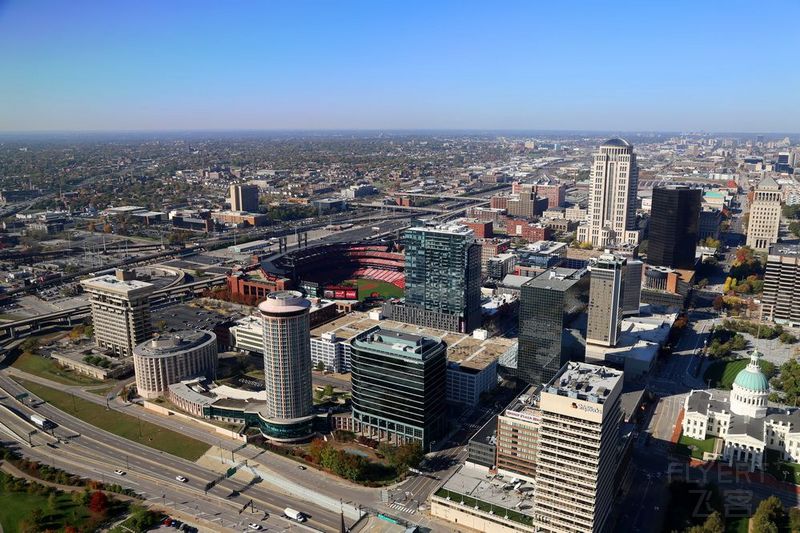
(443, 268)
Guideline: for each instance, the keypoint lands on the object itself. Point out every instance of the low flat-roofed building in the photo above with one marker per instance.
(251, 246)
(482, 447)
(247, 334)
(494, 504)
(151, 217)
(124, 210)
(240, 218)
(255, 282)
(190, 396)
(636, 352)
(331, 352)
(474, 359)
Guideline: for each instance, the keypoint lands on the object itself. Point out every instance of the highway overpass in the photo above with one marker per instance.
(77, 315)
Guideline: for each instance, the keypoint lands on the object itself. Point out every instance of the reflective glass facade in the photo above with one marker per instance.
(674, 225)
(443, 272)
(547, 305)
(399, 391)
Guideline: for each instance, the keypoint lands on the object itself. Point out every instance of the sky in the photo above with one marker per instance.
(567, 65)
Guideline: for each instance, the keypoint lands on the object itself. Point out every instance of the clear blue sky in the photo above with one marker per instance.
(194, 64)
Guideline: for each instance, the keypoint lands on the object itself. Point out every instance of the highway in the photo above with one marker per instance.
(84, 446)
(83, 310)
(280, 474)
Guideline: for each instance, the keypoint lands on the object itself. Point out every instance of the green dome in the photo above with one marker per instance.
(752, 380)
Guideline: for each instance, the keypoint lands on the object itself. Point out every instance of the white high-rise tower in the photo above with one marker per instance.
(288, 414)
(611, 213)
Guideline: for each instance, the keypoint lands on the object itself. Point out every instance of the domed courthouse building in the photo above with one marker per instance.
(743, 420)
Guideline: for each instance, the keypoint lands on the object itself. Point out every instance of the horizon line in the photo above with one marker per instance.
(386, 130)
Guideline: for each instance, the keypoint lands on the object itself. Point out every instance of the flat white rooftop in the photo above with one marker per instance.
(111, 283)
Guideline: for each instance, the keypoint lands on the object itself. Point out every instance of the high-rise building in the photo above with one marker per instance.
(174, 357)
(288, 414)
(579, 456)
(674, 225)
(555, 193)
(517, 438)
(605, 300)
(779, 302)
(120, 311)
(632, 287)
(785, 162)
(442, 277)
(525, 203)
(765, 215)
(611, 215)
(399, 386)
(244, 198)
(549, 306)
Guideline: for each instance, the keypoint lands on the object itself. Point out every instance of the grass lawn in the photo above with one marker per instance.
(102, 391)
(737, 525)
(121, 424)
(47, 368)
(366, 287)
(688, 446)
(722, 373)
(17, 506)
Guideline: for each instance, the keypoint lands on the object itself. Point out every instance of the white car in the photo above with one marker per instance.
(255, 527)
(119, 472)
(181, 479)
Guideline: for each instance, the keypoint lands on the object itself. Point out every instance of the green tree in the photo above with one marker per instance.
(37, 518)
(320, 366)
(327, 391)
(788, 381)
(791, 211)
(713, 524)
(52, 501)
(794, 518)
(768, 516)
(745, 263)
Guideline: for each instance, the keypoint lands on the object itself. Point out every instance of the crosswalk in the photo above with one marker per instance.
(400, 507)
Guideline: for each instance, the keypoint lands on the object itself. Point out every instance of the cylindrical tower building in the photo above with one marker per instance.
(173, 357)
(288, 413)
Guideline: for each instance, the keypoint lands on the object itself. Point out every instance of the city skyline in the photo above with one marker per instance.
(313, 66)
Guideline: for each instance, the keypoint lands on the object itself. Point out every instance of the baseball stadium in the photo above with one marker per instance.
(374, 270)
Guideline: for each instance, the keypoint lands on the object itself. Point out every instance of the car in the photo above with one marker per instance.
(181, 479)
(301, 467)
(255, 527)
(119, 472)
